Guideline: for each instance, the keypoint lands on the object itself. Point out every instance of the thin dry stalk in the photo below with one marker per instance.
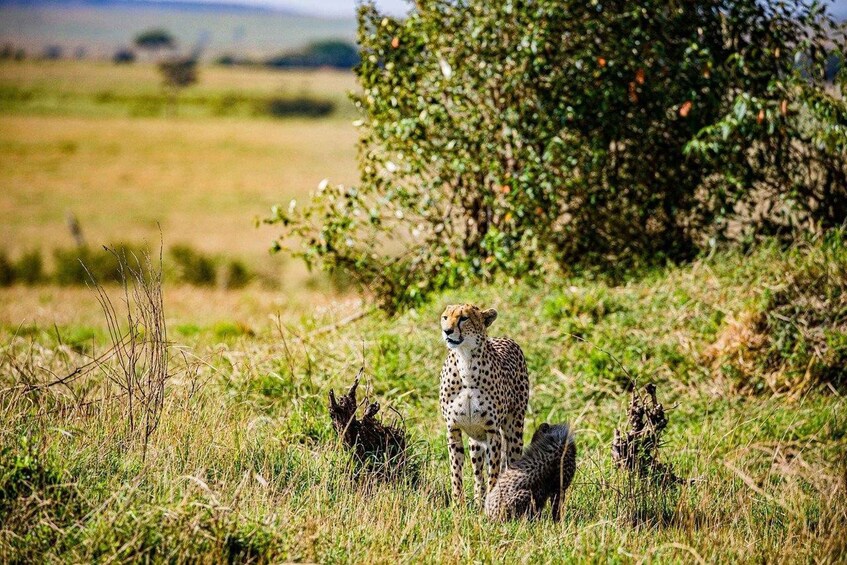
(141, 350)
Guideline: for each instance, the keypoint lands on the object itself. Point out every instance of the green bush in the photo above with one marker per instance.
(178, 72)
(71, 265)
(226, 60)
(302, 106)
(82, 265)
(79, 265)
(29, 268)
(331, 53)
(123, 56)
(7, 270)
(192, 266)
(155, 39)
(237, 274)
(503, 136)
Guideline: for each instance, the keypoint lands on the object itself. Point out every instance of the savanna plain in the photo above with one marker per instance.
(230, 455)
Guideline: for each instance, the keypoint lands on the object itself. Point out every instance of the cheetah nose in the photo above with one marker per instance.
(448, 332)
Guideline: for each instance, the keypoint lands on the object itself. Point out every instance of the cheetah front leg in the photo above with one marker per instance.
(457, 457)
(495, 453)
(477, 449)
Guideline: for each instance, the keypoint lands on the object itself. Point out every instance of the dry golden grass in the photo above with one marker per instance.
(203, 181)
(92, 77)
(255, 309)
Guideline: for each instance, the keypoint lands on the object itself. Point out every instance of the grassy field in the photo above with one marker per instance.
(204, 178)
(105, 90)
(244, 465)
(748, 352)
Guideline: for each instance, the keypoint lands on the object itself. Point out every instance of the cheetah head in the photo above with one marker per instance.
(463, 325)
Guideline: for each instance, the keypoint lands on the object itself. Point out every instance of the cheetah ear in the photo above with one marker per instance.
(488, 316)
(544, 427)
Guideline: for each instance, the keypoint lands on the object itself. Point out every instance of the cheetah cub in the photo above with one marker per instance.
(484, 393)
(544, 473)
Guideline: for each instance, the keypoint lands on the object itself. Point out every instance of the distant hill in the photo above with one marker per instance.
(161, 4)
(97, 28)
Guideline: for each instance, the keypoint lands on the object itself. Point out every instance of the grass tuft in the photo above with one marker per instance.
(796, 337)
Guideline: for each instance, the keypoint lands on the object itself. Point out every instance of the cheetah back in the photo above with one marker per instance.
(514, 375)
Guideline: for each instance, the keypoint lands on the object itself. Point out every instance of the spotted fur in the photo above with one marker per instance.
(543, 473)
(484, 393)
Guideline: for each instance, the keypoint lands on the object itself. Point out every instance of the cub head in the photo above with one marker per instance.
(556, 435)
(464, 325)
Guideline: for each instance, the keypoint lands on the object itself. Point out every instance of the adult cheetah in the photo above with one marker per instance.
(484, 393)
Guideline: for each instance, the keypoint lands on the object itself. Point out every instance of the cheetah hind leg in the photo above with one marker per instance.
(556, 502)
(495, 456)
(512, 441)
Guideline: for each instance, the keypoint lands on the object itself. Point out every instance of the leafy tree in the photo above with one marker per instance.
(332, 53)
(778, 149)
(155, 40)
(53, 52)
(506, 136)
(123, 57)
(178, 73)
(10, 52)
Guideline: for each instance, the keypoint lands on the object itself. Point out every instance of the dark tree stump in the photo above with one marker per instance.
(637, 450)
(377, 449)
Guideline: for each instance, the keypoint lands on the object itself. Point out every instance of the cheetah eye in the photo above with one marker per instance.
(463, 318)
(443, 317)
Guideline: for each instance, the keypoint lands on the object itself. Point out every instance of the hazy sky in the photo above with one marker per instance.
(330, 7)
(398, 7)
(343, 7)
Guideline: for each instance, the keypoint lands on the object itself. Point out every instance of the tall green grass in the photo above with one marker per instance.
(245, 466)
